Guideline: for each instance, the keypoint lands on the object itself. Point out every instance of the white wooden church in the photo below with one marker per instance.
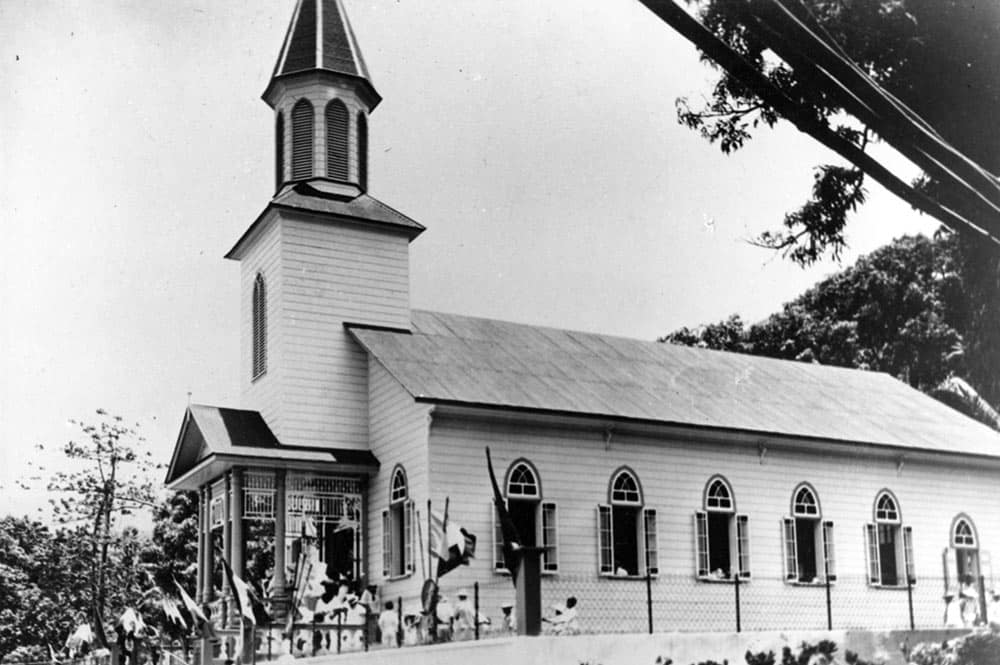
(621, 457)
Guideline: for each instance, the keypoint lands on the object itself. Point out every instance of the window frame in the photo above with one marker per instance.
(715, 502)
(400, 507)
(883, 516)
(336, 116)
(646, 532)
(258, 328)
(544, 509)
(303, 153)
(823, 544)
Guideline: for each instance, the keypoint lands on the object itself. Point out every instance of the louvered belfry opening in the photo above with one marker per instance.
(336, 140)
(259, 326)
(362, 151)
(302, 140)
(279, 150)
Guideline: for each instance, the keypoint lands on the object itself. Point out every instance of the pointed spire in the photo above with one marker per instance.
(320, 38)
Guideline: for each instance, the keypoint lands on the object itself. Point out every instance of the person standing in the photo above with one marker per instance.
(388, 625)
(465, 617)
(508, 619)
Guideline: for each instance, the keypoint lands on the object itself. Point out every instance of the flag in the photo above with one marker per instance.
(198, 617)
(172, 612)
(241, 593)
(450, 543)
(511, 539)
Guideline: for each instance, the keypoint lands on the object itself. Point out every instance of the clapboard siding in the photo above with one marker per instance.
(575, 468)
(264, 392)
(398, 435)
(334, 274)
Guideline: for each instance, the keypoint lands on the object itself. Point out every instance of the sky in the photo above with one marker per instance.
(537, 142)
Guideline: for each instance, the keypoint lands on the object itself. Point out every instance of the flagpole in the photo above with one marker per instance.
(430, 555)
(420, 541)
(444, 534)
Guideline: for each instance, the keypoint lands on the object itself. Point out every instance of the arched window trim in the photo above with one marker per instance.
(259, 327)
(399, 486)
(362, 129)
(886, 519)
(707, 496)
(303, 133)
(338, 121)
(515, 465)
(623, 472)
(960, 519)
(799, 511)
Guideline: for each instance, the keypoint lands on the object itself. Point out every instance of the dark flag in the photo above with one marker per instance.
(198, 618)
(511, 539)
(450, 543)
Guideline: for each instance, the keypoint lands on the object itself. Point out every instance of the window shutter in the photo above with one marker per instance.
(701, 544)
(386, 544)
(949, 558)
(911, 573)
(743, 544)
(302, 140)
(605, 540)
(336, 140)
(871, 547)
(408, 537)
(499, 564)
(550, 557)
(362, 151)
(279, 150)
(829, 559)
(791, 553)
(649, 528)
(986, 570)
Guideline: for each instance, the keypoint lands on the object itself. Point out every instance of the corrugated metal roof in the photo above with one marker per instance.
(484, 362)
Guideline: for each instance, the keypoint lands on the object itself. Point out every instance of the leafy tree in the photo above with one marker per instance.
(937, 56)
(173, 551)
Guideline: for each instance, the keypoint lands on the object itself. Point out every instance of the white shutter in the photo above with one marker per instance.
(986, 570)
(701, 544)
(550, 538)
(743, 545)
(791, 550)
(871, 549)
(605, 541)
(408, 525)
(499, 565)
(950, 564)
(302, 140)
(649, 537)
(829, 558)
(386, 544)
(911, 573)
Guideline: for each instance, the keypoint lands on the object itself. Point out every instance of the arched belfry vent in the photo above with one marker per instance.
(320, 37)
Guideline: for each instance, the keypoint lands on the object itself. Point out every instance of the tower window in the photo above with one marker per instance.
(279, 150)
(362, 151)
(626, 530)
(336, 140)
(397, 528)
(302, 140)
(722, 540)
(259, 326)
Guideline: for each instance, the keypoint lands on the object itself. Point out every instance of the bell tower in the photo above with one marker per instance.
(323, 252)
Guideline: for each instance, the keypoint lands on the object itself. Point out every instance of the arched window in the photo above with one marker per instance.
(302, 140)
(962, 561)
(626, 530)
(363, 151)
(397, 528)
(259, 327)
(336, 140)
(962, 534)
(534, 518)
(279, 150)
(889, 544)
(808, 541)
(722, 537)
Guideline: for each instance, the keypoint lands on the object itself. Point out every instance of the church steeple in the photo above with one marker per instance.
(322, 94)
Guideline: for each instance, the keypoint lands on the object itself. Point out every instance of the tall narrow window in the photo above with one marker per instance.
(302, 140)
(279, 150)
(363, 151)
(889, 544)
(807, 539)
(626, 530)
(535, 519)
(259, 325)
(722, 539)
(336, 140)
(397, 528)
(964, 561)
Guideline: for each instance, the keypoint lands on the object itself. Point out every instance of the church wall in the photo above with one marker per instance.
(398, 430)
(262, 393)
(332, 274)
(575, 469)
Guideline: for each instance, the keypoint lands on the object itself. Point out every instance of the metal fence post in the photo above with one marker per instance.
(909, 600)
(829, 605)
(982, 601)
(340, 621)
(736, 585)
(649, 600)
(475, 596)
(399, 620)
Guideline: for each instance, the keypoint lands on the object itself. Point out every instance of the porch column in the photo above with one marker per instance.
(227, 532)
(236, 503)
(200, 577)
(208, 593)
(279, 584)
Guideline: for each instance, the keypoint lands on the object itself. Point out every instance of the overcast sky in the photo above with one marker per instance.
(537, 141)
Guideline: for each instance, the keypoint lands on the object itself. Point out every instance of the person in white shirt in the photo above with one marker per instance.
(465, 617)
(952, 612)
(388, 624)
(445, 613)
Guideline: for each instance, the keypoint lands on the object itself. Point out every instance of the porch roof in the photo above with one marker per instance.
(214, 439)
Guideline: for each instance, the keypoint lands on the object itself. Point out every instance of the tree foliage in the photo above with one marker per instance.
(939, 57)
